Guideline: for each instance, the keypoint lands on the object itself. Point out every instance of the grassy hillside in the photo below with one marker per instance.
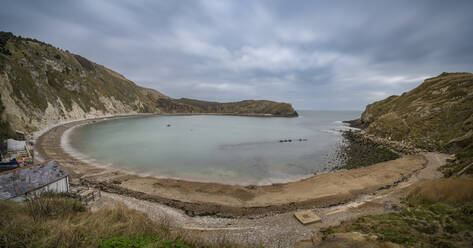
(437, 213)
(41, 73)
(42, 85)
(58, 220)
(437, 115)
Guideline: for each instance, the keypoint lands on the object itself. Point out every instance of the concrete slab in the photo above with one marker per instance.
(307, 217)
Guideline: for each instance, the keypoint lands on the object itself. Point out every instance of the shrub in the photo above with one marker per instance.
(449, 190)
(51, 205)
(55, 220)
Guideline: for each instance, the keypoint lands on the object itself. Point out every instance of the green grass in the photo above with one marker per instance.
(145, 241)
(60, 221)
(431, 217)
(433, 225)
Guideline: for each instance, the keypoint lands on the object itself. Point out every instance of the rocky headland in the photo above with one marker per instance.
(41, 85)
(435, 116)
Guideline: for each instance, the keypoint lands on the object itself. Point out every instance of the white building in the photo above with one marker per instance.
(33, 179)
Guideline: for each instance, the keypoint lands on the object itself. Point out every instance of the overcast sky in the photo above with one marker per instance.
(334, 55)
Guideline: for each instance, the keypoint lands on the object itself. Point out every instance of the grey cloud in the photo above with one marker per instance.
(314, 54)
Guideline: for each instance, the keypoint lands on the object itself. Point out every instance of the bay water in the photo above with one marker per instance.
(212, 148)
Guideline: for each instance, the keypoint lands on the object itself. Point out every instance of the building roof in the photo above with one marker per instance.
(25, 179)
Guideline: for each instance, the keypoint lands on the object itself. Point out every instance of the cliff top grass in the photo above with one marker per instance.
(430, 116)
(437, 115)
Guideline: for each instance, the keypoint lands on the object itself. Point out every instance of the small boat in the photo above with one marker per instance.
(6, 166)
(13, 161)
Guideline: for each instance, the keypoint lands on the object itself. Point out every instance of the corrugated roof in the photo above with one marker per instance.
(25, 179)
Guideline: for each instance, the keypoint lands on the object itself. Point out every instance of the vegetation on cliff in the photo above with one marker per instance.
(41, 85)
(5, 129)
(248, 107)
(437, 116)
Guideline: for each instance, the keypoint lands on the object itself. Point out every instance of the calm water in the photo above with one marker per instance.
(224, 149)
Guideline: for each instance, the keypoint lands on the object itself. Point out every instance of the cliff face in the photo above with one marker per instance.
(41, 85)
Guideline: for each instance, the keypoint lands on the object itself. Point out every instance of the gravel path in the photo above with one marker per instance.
(277, 230)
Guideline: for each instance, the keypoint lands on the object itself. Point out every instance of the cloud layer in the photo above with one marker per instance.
(314, 54)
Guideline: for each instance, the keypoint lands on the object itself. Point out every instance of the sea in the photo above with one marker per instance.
(236, 150)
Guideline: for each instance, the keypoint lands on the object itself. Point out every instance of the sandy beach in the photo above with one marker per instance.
(197, 198)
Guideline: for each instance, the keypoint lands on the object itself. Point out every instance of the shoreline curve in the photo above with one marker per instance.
(205, 198)
(67, 147)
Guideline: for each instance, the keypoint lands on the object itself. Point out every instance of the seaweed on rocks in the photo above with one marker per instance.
(360, 152)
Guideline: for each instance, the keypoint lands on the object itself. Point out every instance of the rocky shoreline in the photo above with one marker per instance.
(360, 151)
(362, 137)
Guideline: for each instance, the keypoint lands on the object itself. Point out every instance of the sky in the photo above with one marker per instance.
(322, 55)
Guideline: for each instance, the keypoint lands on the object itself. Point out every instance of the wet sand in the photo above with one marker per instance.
(196, 198)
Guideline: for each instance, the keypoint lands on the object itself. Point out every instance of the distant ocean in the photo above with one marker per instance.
(222, 149)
